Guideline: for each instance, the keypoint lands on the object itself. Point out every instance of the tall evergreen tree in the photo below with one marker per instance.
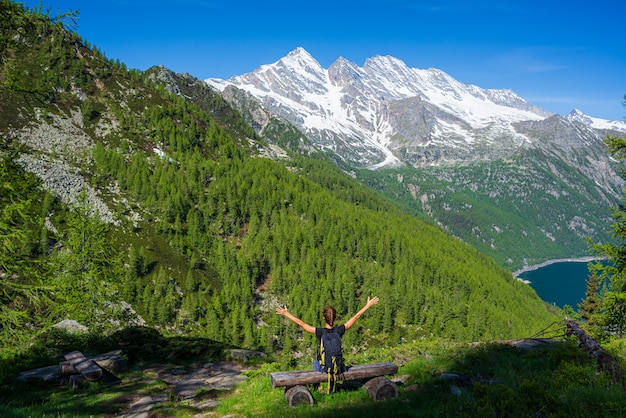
(589, 308)
(613, 273)
(88, 271)
(20, 273)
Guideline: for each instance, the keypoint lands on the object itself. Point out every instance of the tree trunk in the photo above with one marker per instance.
(606, 362)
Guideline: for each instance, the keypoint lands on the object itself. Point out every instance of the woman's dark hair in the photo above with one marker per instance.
(329, 315)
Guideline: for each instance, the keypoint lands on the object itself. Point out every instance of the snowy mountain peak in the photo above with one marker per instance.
(385, 63)
(299, 58)
(343, 72)
(299, 51)
(578, 116)
(374, 114)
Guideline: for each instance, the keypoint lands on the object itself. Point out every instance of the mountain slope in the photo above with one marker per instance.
(207, 228)
(417, 124)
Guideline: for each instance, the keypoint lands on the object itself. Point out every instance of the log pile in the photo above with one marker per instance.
(77, 364)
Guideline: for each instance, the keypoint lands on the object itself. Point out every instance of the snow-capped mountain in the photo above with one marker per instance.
(488, 163)
(596, 123)
(385, 113)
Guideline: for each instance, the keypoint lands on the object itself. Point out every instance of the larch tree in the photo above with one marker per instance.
(612, 273)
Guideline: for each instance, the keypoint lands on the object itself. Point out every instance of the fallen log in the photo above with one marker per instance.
(47, 374)
(591, 345)
(606, 362)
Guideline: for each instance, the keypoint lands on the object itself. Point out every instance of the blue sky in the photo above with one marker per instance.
(559, 55)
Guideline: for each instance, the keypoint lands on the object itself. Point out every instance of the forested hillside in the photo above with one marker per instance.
(499, 207)
(203, 233)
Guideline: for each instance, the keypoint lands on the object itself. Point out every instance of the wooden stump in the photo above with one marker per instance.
(298, 394)
(380, 388)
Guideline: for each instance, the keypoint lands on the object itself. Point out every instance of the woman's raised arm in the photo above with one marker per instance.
(370, 302)
(284, 312)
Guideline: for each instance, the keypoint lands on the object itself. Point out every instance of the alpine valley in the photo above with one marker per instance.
(168, 217)
(515, 181)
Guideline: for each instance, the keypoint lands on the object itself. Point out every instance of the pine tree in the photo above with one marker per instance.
(88, 272)
(20, 274)
(589, 308)
(613, 272)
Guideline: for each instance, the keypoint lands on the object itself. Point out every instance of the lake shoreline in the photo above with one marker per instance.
(558, 260)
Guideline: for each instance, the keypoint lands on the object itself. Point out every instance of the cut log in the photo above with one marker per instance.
(112, 361)
(84, 366)
(47, 374)
(66, 368)
(297, 395)
(306, 377)
(380, 388)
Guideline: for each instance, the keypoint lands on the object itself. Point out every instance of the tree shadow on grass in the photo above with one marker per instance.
(488, 380)
(138, 344)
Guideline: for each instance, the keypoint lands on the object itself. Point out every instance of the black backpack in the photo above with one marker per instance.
(331, 355)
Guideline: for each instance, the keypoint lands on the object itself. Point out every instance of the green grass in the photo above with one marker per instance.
(494, 380)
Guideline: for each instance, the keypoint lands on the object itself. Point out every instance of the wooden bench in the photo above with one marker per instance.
(87, 368)
(377, 385)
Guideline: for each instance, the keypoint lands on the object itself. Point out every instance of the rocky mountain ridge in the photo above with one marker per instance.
(386, 114)
(597, 123)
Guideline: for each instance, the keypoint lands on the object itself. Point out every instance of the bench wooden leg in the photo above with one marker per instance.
(296, 395)
(76, 380)
(380, 388)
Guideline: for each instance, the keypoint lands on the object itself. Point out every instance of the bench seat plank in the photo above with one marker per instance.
(306, 377)
(84, 366)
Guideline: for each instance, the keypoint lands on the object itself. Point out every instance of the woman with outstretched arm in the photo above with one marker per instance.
(329, 314)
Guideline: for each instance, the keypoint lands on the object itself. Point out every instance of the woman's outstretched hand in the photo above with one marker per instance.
(372, 301)
(281, 310)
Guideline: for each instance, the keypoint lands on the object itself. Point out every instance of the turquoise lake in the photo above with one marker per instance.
(560, 283)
